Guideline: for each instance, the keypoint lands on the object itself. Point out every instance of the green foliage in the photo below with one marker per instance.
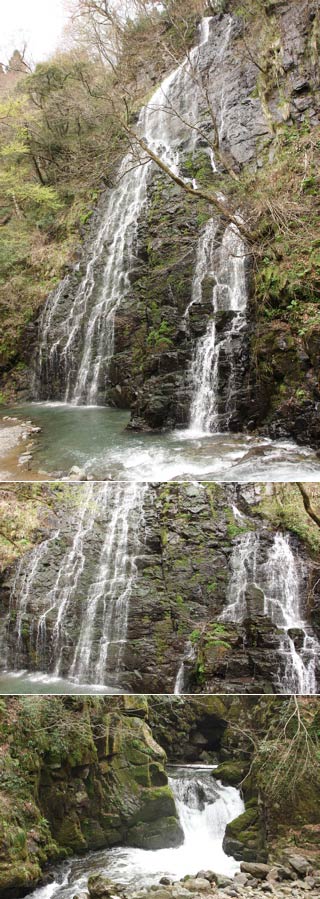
(215, 636)
(287, 760)
(284, 508)
(58, 145)
(288, 274)
(160, 338)
(195, 636)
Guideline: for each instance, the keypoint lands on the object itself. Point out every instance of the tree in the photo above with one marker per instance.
(104, 24)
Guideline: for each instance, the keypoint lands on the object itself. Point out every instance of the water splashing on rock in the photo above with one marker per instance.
(68, 612)
(276, 579)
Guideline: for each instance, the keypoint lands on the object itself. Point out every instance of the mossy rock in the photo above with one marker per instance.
(18, 877)
(230, 772)
(244, 837)
(160, 834)
(100, 886)
(70, 835)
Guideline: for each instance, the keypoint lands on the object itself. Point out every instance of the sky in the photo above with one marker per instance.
(38, 22)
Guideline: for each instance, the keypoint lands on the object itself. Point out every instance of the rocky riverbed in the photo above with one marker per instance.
(16, 444)
(294, 878)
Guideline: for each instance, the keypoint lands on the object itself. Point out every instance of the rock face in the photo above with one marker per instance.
(99, 781)
(192, 550)
(154, 340)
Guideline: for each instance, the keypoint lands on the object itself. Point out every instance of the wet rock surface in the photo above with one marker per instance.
(185, 546)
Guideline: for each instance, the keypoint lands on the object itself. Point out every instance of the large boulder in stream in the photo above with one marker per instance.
(101, 887)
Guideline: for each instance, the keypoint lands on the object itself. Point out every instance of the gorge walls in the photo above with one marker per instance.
(89, 773)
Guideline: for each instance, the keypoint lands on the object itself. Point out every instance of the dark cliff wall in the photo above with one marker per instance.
(188, 537)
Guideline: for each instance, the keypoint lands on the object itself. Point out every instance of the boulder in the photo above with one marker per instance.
(299, 864)
(198, 885)
(257, 869)
(208, 875)
(101, 887)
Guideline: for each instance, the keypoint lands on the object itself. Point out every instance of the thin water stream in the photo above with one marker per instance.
(205, 807)
(69, 600)
(277, 576)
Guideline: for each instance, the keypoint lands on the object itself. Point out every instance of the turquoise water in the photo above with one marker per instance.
(21, 682)
(96, 439)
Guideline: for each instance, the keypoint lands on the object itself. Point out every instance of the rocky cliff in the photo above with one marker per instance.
(267, 87)
(198, 545)
(263, 97)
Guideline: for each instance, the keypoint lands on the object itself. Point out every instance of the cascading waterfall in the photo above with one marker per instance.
(109, 594)
(205, 807)
(163, 123)
(78, 626)
(244, 571)
(188, 656)
(279, 581)
(282, 604)
(23, 585)
(229, 295)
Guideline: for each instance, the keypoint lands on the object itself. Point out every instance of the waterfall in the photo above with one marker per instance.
(214, 349)
(243, 572)
(89, 321)
(110, 592)
(74, 621)
(279, 581)
(23, 586)
(205, 807)
(282, 604)
(188, 656)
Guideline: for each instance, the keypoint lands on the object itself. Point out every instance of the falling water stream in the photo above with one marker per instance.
(83, 347)
(188, 656)
(226, 265)
(205, 807)
(71, 611)
(76, 337)
(279, 579)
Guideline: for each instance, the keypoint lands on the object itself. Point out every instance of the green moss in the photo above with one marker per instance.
(284, 508)
(230, 772)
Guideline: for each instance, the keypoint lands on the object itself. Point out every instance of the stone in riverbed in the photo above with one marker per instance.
(101, 887)
(78, 474)
(179, 892)
(257, 869)
(198, 885)
(223, 881)
(299, 864)
(280, 873)
(241, 878)
(162, 894)
(208, 875)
